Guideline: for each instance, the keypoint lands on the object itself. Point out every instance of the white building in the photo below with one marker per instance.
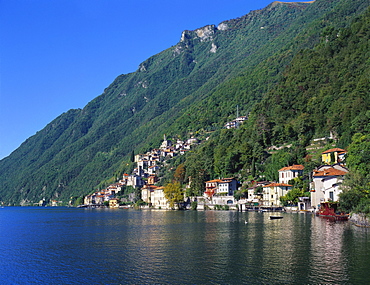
(326, 183)
(154, 197)
(225, 186)
(134, 181)
(272, 193)
(235, 123)
(288, 173)
(158, 199)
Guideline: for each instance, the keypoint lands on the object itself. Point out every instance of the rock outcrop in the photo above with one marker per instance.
(360, 220)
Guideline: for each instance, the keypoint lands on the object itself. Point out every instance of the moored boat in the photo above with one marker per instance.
(329, 210)
(276, 217)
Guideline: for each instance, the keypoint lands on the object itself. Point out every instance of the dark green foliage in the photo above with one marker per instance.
(291, 198)
(324, 90)
(194, 205)
(305, 80)
(356, 194)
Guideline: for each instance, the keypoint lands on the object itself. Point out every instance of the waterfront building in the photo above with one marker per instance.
(290, 172)
(326, 183)
(272, 193)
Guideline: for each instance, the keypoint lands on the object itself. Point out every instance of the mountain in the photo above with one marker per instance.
(191, 87)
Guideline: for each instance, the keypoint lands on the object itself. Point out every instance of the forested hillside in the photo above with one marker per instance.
(300, 69)
(324, 90)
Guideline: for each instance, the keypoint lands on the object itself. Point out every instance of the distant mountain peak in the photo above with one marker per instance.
(273, 4)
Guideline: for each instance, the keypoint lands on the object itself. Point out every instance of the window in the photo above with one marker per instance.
(331, 195)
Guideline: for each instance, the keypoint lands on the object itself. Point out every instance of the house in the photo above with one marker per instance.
(221, 191)
(113, 203)
(153, 169)
(154, 196)
(235, 123)
(326, 183)
(169, 151)
(179, 144)
(290, 172)
(113, 189)
(252, 195)
(143, 164)
(134, 181)
(225, 187)
(211, 187)
(88, 199)
(123, 181)
(192, 141)
(146, 193)
(272, 193)
(98, 199)
(152, 179)
(333, 156)
(158, 199)
(139, 157)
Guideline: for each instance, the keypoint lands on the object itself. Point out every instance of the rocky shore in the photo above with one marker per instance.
(360, 220)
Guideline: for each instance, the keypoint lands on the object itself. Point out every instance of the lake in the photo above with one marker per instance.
(117, 246)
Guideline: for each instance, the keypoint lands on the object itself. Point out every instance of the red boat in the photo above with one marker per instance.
(329, 210)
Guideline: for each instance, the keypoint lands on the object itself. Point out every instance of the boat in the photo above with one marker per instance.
(329, 210)
(276, 217)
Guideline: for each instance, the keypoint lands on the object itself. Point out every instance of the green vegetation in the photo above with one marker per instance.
(356, 194)
(298, 70)
(174, 194)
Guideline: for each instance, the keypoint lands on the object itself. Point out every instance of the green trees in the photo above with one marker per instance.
(276, 161)
(174, 194)
(291, 198)
(356, 188)
(359, 155)
(179, 175)
(293, 79)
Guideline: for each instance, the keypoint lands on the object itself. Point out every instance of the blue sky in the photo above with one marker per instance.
(57, 55)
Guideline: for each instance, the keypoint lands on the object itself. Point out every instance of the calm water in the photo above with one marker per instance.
(103, 246)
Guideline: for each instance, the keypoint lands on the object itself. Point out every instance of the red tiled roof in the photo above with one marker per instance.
(293, 167)
(334, 150)
(278, 185)
(329, 172)
(214, 180)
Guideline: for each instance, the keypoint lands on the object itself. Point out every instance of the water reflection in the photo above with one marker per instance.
(173, 247)
(328, 257)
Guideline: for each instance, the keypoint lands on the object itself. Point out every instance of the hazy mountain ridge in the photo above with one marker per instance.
(80, 148)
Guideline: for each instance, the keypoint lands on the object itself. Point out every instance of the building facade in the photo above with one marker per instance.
(272, 193)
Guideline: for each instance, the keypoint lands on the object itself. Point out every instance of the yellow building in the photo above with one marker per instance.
(113, 203)
(333, 156)
(154, 197)
(272, 193)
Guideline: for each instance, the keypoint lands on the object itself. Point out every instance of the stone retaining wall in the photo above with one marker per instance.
(360, 220)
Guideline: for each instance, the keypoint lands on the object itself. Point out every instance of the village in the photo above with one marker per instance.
(324, 184)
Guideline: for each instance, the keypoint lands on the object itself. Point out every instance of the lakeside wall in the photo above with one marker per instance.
(360, 220)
